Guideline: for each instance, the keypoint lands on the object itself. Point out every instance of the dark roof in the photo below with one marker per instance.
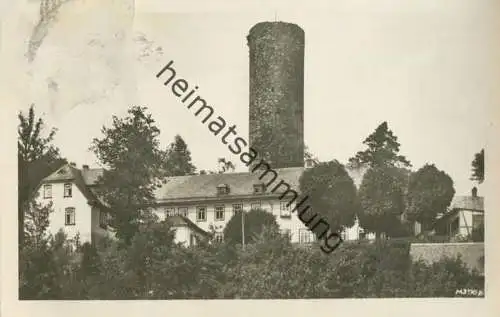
(180, 221)
(192, 187)
(467, 203)
(71, 173)
(240, 184)
(91, 175)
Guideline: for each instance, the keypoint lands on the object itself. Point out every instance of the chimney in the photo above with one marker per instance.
(474, 191)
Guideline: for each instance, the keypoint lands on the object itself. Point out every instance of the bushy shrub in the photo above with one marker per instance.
(154, 267)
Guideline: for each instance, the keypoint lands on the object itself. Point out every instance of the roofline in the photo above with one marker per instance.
(171, 201)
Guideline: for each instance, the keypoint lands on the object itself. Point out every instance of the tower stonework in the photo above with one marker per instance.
(276, 111)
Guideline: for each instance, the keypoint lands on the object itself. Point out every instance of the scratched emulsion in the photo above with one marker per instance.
(79, 52)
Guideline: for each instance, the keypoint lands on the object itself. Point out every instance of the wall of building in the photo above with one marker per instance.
(293, 224)
(83, 219)
(182, 235)
(466, 223)
(97, 231)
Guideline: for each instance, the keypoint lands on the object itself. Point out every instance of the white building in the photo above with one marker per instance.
(196, 204)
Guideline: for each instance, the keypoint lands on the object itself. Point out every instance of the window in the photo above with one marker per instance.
(47, 191)
(237, 208)
(219, 212)
(305, 236)
(362, 234)
(218, 237)
(68, 190)
(169, 212)
(201, 214)
(255, 206)
(222, 189)
(183, 211)
(258, 188)
(69, 216)
(477, 221)
(103, 219)
(285, 210)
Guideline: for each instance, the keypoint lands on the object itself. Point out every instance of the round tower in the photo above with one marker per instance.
(277, 93)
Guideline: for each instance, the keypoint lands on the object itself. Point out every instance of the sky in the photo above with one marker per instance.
(421, 67)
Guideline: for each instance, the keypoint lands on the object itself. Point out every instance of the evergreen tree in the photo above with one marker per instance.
(383, 149)
(179, 158)
(478, 167)
(135, 168)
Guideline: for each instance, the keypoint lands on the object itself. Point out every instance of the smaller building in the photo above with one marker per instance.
(465, 214)
(76, 208)
(186, 232)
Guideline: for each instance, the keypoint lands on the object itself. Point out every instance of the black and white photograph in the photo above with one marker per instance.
(271, 152)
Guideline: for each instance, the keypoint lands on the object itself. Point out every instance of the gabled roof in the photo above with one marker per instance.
(467, 203)
(91, 175)
(71, 173)
(180, 221)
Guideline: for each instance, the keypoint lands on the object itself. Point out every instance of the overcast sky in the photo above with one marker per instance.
(421, 68)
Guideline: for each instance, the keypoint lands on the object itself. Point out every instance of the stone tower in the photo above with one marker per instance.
(277, 93)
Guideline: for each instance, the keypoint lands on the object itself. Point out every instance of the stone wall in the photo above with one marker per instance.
(471, 253)
(277, 93)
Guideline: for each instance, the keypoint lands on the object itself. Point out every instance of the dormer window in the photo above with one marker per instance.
(222, 189)
(259, 188)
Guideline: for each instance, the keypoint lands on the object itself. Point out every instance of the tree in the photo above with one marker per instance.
(383, 149)
(255, 220)
(37, 158)
(179, 158)
(430, 192)
(478, 167)
(136, 167)
(382, 200)
(225, 165)
(332, 194)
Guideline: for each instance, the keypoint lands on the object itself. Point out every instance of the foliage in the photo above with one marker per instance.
(37, 158)
(225, 165)
(478, 167)
(136, 167)
(382, 200)
(430, 192)
(332, 194)
(382, 150)
(255, 220)
(153, 267)
(179, 158)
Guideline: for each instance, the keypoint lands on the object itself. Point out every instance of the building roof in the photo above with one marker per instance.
(91, 175)
(467, 203)
(240, 184)
(180, 221)
(71, 173)
(193, 187)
